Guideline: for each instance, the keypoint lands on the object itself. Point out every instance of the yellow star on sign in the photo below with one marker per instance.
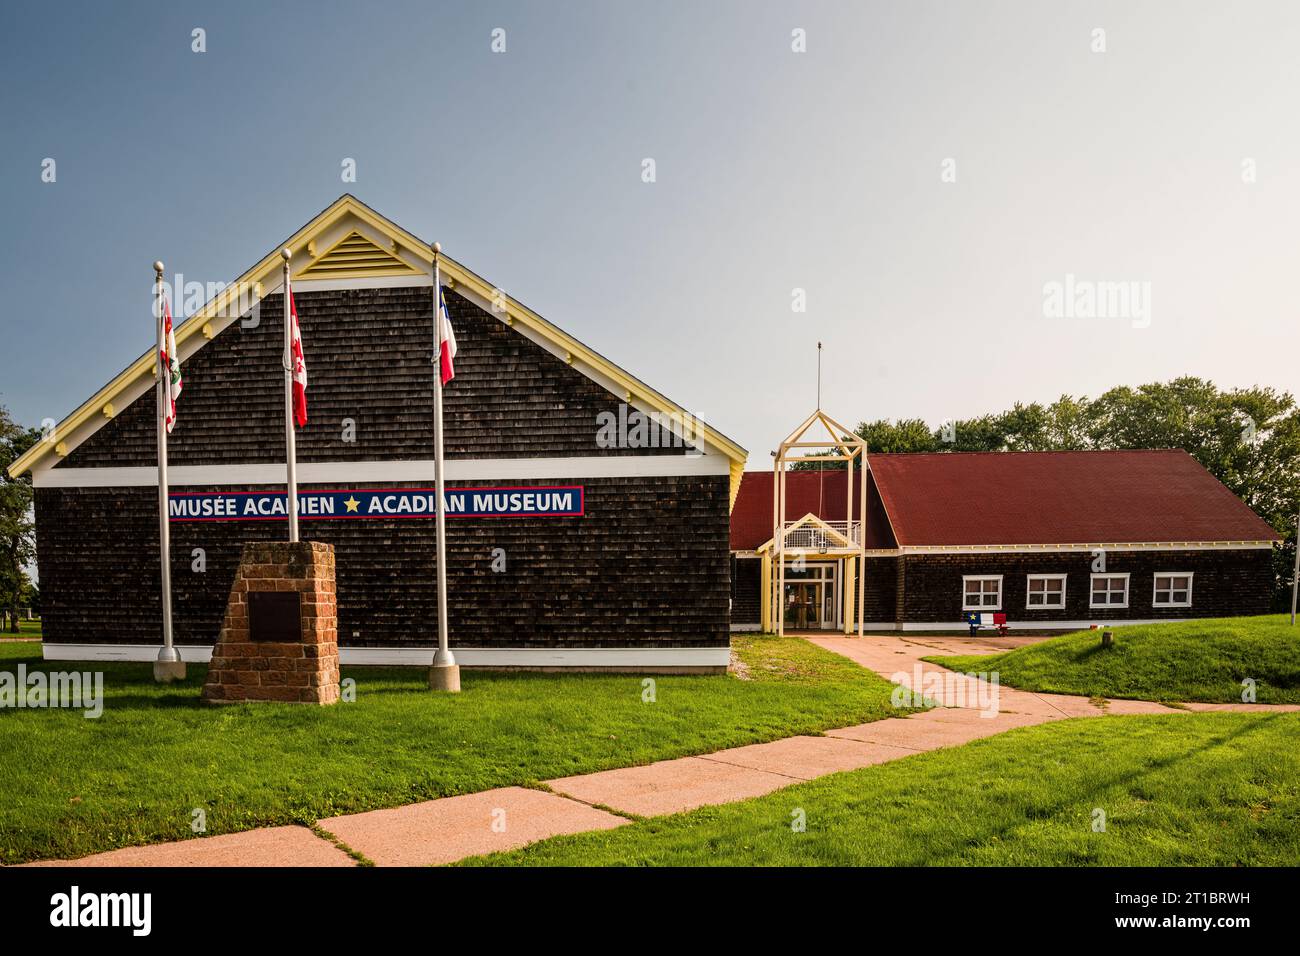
(352, 503)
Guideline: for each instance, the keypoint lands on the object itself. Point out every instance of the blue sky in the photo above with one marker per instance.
(776, 171)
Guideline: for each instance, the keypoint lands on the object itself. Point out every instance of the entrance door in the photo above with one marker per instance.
(803, 605)
(812, 597)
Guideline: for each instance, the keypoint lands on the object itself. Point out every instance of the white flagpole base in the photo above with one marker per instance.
(445, 677)
(169, 666)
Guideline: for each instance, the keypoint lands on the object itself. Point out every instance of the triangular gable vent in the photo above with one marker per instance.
(355, 256)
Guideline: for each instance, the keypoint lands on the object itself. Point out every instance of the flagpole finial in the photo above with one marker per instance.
(158, 266)
(437, 247)
(286, 253)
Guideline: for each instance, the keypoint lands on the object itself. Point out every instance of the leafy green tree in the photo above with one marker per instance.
(986, 433)
(907, 435)
(17, 524)
(884, 436)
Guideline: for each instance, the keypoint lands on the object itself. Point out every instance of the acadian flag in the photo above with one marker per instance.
(299, 369)
(172, 362)
(448, 340)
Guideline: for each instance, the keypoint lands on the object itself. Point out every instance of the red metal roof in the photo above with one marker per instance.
(1015, 498)
(806, 492)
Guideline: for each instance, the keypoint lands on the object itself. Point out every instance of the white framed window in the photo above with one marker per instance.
(981, 592)
(1045, 591)
(1109, 590)
(1172, 589)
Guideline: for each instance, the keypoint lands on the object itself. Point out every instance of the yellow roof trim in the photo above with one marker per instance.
(267, 271)
(811, 519)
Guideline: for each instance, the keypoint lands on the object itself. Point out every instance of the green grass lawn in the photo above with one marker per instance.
(1194, 660)
(1177, 790)
(27, 629)
(73, 786)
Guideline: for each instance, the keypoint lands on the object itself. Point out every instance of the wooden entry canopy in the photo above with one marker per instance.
(796, 540)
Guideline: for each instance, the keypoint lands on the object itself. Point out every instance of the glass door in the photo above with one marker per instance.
(803, 605)
(827, 622)
(811, 596)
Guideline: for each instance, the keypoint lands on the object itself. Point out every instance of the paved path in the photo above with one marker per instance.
(452, 828)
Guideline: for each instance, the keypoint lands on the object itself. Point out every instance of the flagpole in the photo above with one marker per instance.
(169, 666)
(1295, 573)
(291, 450)
(445, 673)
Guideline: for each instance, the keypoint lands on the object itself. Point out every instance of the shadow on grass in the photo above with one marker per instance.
(1101, 784)
(1092, 650)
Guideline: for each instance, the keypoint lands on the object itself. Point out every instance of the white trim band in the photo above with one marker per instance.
(1058, 548)
(384, 472)
(1035, 625)
(1050, 548)
(423, 656)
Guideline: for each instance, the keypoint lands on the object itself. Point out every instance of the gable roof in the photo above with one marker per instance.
(821, 526)
(349, 239)
(1036, 499)
(1065, 497)
(806, 492)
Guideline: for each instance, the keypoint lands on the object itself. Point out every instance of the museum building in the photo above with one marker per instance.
(591, 522)
(588, 515)
(1049, 540)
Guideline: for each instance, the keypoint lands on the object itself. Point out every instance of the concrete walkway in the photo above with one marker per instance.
(452, 828)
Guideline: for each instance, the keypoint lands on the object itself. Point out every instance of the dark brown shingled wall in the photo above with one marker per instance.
(746, 590)
(647, 565)
(368, 357)
(1226, 583)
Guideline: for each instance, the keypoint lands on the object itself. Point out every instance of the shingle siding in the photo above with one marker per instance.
(646, 566)
(369, 361)
(928, 588)
(746, 590)
(1227, 582)
(881, 588)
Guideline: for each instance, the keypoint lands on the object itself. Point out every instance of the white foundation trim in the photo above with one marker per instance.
(1051, 548)
(423, 656)
(344, 472)
(1111, 546)
(1034, 625)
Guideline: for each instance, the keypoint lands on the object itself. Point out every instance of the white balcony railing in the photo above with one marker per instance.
(816, 537)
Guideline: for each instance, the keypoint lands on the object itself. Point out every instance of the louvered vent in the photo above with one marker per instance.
(354, 256)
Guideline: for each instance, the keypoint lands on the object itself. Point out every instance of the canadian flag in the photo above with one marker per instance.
(448, 337)
(299, 369)
(172, 362)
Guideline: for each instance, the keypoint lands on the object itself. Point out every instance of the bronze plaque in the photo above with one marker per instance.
(274, 616)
